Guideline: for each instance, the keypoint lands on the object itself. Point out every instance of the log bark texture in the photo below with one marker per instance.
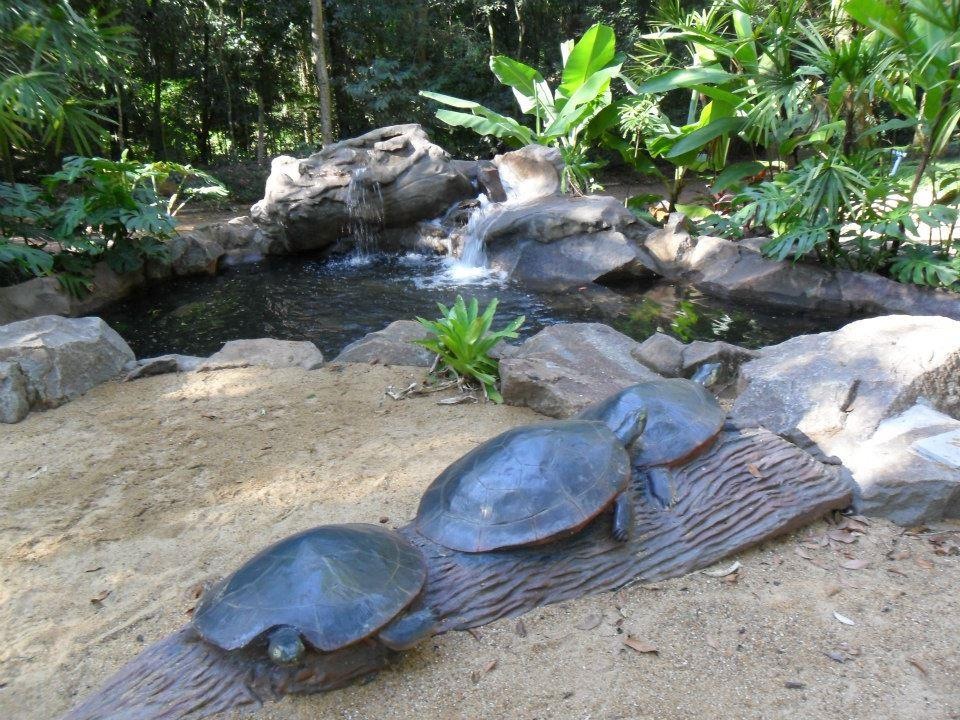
(749, 487)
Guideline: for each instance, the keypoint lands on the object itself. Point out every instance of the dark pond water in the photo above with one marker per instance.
(333, 303)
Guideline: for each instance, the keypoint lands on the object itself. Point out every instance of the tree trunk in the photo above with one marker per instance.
(750, 486)
(261, 130)
(318, 37)
(203, 139)
(156, 125)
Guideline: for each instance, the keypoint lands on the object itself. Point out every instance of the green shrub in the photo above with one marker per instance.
(462, 340)
(94, 209)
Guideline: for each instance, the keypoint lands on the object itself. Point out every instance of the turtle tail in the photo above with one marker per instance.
(183, 677)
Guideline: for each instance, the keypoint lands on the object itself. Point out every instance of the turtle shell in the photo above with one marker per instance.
(683, 418)
(525, 486)
(334, 584)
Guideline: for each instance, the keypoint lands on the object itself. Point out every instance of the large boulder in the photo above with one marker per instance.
(561, 240)
(14, 396)
(739, 271)
(61, 357)
(531, 172)
(564, 368)
(390, 177)
(194, 253)
(46, 296)
(832, 391)
(239, 237)
(391, 346)
(265, 352)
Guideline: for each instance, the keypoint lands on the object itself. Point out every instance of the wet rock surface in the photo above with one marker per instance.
(389, 177)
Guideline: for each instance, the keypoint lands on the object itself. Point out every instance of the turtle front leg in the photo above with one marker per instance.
(409, 629)
(622, 517)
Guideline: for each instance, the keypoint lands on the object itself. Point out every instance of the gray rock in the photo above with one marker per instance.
(162, 365)
(898, 478)
(728, 356)
(265, 352)
(661, 353)
(574, 260)
(45, 296)
(14, 396)
(194, 253)
(391, 346)
(61, 357)
(531, 172)
(552, 218)
(832, 391)
(564, 368)
(239, 237)
(738, 271)
(391, 177)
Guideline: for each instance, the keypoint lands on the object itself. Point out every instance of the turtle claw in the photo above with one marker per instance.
(409, 629)
(622, 517)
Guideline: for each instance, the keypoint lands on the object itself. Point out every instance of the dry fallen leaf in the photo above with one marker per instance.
(723, 571)
(832, 590)
(475, 634)
(918, 665)
(924, 563)
(842, 536)
(589, 622)
(898, 555)
(641, 646)
(803, 553)
(100, 597)
(855, 564)
(94, 569)
(755, 471)
(843, 618)
(894, 571)
(730, 579)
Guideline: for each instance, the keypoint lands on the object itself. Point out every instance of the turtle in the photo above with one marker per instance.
(530, 485)
(325, 588)
(682, 419)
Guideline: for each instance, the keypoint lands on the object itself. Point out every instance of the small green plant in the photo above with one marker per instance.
(462, 340)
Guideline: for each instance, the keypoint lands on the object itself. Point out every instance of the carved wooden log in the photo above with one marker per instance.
(748, 487)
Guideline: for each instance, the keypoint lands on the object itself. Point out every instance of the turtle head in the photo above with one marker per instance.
(284, 646)
(631, 426)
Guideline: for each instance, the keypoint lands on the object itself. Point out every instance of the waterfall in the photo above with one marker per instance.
(364, 203)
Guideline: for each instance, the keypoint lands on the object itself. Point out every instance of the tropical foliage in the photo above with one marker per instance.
(560, 116)
(94, 209)
(821, 100)
(462, 340)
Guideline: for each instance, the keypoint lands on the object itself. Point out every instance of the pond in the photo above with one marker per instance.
(334, 302)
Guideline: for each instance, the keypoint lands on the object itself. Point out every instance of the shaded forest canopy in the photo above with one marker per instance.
(215, 80)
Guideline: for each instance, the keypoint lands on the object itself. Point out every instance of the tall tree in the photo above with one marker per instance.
(319, 37)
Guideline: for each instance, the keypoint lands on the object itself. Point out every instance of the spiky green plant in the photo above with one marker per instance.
(462, 340)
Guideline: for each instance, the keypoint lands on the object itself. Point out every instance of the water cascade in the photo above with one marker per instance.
(364, 203)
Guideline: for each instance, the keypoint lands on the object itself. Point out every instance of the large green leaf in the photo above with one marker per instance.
(685, 78)
(592, 52)
(529, 87)
(450, 100)
(698, 138)
(571, 112)
(489, 124)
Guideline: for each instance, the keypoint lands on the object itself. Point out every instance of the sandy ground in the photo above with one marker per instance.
(117, 506)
